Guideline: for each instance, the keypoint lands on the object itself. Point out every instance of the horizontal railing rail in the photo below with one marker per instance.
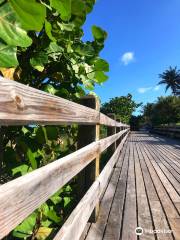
(167, 131)
(24, 105)
(21, 104)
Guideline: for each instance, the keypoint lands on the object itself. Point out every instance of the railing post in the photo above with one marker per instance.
(86, 135)
(118, 130)
(111, 131)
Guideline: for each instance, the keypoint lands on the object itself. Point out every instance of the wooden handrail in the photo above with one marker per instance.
(75, 224)
(20, 197)
(20, 105)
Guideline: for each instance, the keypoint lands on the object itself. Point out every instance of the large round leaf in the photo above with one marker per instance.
(98, 33)
(101, 65)
(30, 13)
(8, 56)
(63, 7)
(10, 29)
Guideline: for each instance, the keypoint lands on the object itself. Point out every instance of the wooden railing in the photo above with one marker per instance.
(170, 131)
(20, 105)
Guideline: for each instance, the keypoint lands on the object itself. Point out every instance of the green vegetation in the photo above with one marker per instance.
(122, 106)
(41, 45)
(165, 111)
(171, 78)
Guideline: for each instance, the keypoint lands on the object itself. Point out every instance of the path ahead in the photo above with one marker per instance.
(144, 191)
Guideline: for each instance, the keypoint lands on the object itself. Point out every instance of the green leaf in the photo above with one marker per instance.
(67, 200)
(8, 56)
(23, 169)
(26, 227)
(101, 65)
(100, 77)
(89, 5)
(66, 26)
(30, 13)
(98, 33)
(52, 132)
(56, 198)
(84, 50)
(48, 29)
(46, 223)
(63, 7)
(10, 29)
(54, 50)
(78, 7)
(39, 59)
(20, 235)
(39, 68)
(51, 214)
(50, 89)
(40, 137)
(32, 158)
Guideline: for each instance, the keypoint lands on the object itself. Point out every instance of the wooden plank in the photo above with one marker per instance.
(104, 120)
(174, 158)
(170, 210)
(159, 218)
(86, 135)
(172, 185)
(168, 163)
(130, 217)
(167, 170)
(23, 195)
(97, 230)
(85, 232)
(75, 224)
(106, 142)
(170, 189)
(111, 131)
(114, 223)
(22, 105)
(145, 220)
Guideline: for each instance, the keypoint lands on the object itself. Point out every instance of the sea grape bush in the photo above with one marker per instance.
(41, 45)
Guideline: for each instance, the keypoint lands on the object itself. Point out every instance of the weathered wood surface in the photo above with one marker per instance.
(23, 195)
(145, 193)
(86, 135)
(21, 104)
(76, 223)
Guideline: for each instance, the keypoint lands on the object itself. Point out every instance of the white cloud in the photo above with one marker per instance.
(156, 88)
(144, 89)
(127, 58)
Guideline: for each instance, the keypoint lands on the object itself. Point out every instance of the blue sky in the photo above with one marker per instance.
(147, 33)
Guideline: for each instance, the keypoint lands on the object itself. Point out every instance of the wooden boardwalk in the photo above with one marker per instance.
(144, 191)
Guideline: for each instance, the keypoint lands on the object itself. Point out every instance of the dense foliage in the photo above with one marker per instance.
(41, 42)
(136, 122)
(171, 78)
(165, 111)
(41, 45)
(122, 106)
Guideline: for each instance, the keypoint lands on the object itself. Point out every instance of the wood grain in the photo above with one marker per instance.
(23, 195)
(75, 224)
(21, 104)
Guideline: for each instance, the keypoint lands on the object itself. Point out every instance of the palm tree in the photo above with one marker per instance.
(171, 78)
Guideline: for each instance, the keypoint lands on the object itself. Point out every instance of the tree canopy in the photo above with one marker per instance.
(41, 45)
(171, 78)
(165, 111)
(122, 106)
